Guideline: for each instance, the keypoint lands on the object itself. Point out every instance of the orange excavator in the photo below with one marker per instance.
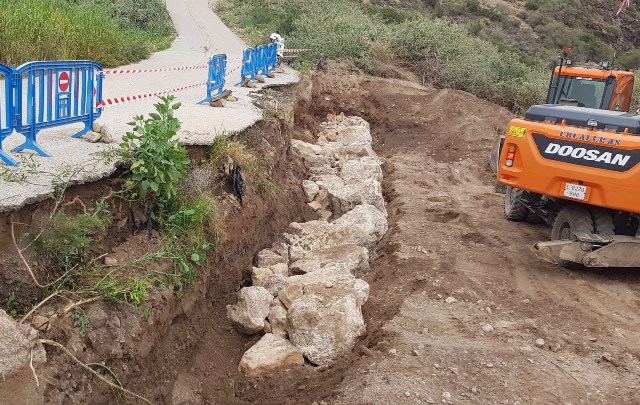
(575, 163)
(596, 86)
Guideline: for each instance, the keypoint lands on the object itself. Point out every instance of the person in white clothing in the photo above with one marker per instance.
(278, 39)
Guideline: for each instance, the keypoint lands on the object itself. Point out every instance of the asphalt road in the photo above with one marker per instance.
(200, 34)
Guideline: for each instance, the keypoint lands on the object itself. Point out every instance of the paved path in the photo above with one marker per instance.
(200, 34)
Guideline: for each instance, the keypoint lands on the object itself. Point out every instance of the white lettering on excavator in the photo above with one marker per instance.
(587, 154)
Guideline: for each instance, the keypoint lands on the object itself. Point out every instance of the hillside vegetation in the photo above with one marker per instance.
(489, 51)
(112, 32)
(442, 53)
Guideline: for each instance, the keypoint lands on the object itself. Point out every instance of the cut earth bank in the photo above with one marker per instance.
(459, 309)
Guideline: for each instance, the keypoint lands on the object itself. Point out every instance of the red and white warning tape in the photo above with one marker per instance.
(134, 71)
(130, 99)
(296, 50)
(231, 71)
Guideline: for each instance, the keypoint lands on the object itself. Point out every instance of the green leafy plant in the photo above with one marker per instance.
(132, 291)
(186, 243)
(80, 320)
(11, 305)
(157, 160)
(147, 312)
(66, 237)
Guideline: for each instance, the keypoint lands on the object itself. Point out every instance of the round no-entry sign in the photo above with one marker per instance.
(63, 81)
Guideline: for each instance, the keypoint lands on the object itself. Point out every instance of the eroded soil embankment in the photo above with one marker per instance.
(144, 350)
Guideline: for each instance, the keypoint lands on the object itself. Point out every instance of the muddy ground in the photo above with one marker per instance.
(458, 300)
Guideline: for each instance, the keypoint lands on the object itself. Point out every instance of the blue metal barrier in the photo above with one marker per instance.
(258, 61)
(216, 78)
(248, 70)
(261, 57)
(6, 111)
(57, 93)
(271, 57)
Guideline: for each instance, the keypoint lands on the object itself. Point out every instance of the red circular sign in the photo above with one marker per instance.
(63, 81)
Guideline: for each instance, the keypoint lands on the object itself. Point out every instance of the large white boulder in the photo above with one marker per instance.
(310, 189)
(304, 237)
(346, 130)
(278, 318)
(271, 353)
(273, 278)
(359, 169)
(328, 181)
(268, 258)
(251, 310)
(349, 258)
(348, 197)
(325, 327)
(328, 282)
(364, 226)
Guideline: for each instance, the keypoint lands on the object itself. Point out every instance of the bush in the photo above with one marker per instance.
(635, 101)
(147, 15)
(470, 64)
(156, 159)
(65, 239)
(389, 15)
(81, 29)
(630, 60)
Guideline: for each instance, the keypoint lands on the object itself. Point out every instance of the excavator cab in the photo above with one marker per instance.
(599, 87)
(591, 87)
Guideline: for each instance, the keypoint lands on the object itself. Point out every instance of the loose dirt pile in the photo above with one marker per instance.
(460, 310)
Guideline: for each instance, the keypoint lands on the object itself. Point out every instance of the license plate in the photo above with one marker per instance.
(575, 191)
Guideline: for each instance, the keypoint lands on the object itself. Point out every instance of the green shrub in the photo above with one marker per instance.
(79, 29)
(635, 102)
(336, 30)
(225, 148)
(147, 15)
(470, 64)
(389, 15)
(630, 60)
(156, 159)
(66, 237)
(79, 319)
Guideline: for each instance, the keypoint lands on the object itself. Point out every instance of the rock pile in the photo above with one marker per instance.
(306, 294)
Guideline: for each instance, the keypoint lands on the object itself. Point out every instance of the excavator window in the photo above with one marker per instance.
(582, 92)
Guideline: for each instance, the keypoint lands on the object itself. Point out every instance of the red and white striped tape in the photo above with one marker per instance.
(134, 71)
(231, 71)
(295, 50)
(110, 102)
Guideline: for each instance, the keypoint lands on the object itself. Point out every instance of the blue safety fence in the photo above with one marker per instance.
(271, 57)
(261, 68)
(41, 95)
(6, 111)
(216, 77)
(248, 70)
(258, 61)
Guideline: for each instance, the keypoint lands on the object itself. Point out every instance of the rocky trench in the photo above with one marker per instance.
(306, 295)
(306, 285)
(127, 340)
